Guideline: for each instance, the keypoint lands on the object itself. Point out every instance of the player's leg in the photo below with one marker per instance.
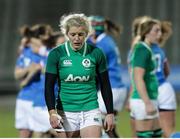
(167, 122)
(167, 108)
(71, 128)
(91, 132)
(25, 133)
(69, 134)
(145, 125)
(148, 128)
(91, 124)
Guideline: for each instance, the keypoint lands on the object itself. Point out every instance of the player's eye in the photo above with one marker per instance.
(73, 34)
(157, 30)
(81, 34)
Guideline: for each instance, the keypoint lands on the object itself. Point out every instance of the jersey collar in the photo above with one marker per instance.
(68, 47)
(146, 45)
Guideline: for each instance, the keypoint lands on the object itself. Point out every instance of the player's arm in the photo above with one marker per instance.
(19, 72)
(141, 88)
(106, 91)
(50, 80)
(108, 100)
(103, 77)
(141, 56)
(105, 86)
(55, 119)
(140, 84)
(166, 68)
(51, 76)
(33, 69)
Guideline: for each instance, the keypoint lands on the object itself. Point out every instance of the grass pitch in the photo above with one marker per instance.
(7, 117)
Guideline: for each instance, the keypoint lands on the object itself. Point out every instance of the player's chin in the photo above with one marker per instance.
(77, 46)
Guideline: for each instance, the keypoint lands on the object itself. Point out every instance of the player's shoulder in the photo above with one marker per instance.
(92, 48)
(141, 46)
(58, 49)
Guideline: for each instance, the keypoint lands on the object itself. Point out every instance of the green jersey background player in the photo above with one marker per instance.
(142, 56)
(143, 102)
(77, 65)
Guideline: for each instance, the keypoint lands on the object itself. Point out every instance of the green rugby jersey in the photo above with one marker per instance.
(77, 75)
(143, 57)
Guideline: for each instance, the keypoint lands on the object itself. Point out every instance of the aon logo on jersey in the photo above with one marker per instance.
(72, 78)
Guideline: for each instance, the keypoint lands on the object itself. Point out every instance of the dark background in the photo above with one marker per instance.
(15, 13)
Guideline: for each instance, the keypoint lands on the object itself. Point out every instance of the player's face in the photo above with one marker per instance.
(77, 36)
(155, 34)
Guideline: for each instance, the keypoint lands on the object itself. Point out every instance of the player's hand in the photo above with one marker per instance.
(23, 82)
(150, 109)
(127, 106)
(34, 68)
(109, 122)
(56, 121)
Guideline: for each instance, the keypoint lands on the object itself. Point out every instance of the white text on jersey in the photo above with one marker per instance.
(71, 78)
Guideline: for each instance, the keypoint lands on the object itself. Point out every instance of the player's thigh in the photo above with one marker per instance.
(143, 121)
(72, 134)
(167, 119)
(91, 124)
(71, 122)
(91, 132)
(167, 122)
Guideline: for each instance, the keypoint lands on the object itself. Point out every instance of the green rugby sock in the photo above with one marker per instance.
(144, 134)
(157, 133)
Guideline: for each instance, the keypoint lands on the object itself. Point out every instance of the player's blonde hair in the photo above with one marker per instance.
(77, 20)
(136, 28)
(166, 28)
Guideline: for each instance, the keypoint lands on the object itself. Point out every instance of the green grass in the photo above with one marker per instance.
(7, 129)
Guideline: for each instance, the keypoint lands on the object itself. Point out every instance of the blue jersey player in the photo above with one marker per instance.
(166, 93)
(27, 71)
(107, 44)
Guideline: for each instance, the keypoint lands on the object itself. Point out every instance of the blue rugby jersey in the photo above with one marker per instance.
(110, 49)
(39, 99)
(160, 59)
(23, 61)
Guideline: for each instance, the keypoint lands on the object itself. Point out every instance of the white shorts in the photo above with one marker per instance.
(41, 120)
(75, 121)
(23, 114)
(119, 98)
(138, 111)
(166, 97)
